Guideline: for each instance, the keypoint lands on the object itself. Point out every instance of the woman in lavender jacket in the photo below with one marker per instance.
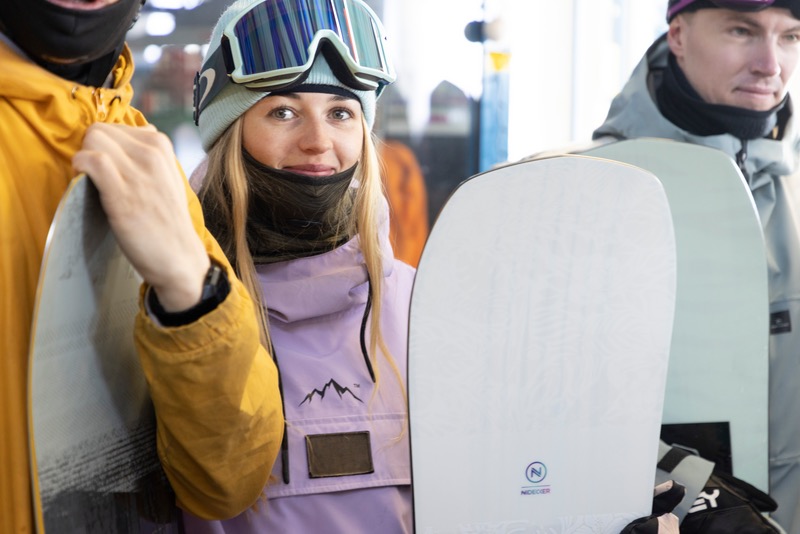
(292, 191)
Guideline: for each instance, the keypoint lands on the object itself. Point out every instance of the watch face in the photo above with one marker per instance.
(215, 286)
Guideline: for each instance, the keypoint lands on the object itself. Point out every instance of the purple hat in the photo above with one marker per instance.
(676, 6)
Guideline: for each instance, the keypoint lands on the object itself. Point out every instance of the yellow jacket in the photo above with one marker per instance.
(214, 387)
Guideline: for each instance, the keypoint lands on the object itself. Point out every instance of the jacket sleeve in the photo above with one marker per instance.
(216, 397)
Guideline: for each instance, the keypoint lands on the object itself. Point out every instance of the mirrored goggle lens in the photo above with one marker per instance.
(277, 34)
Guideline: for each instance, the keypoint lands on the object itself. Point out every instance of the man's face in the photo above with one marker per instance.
(741, 59)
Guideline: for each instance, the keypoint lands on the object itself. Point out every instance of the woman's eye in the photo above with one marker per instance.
(282, 113)
(342, 114)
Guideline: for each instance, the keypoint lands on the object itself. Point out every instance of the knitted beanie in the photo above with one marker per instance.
(677, 6)
(234, 100)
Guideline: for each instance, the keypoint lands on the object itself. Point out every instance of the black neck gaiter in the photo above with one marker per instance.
(93, 74)
(293, 216)
(78, 45)
(683, 106)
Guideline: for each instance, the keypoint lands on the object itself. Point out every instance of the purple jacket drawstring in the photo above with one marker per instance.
(364, 352)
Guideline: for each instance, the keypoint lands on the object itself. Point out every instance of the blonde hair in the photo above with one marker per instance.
(224, 194)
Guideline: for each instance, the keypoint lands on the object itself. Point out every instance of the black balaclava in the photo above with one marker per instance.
(79, 45)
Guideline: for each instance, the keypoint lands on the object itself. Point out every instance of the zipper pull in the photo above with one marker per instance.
(101, 104)
(741, 160)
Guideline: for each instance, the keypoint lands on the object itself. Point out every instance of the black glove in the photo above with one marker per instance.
(730, 505)
(666, 497)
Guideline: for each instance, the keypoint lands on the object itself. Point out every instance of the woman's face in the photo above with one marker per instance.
(316, 134)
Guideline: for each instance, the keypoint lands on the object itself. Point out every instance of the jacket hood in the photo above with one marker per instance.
(634, 114)
(55, 105)
(318, 286)
(23, 77)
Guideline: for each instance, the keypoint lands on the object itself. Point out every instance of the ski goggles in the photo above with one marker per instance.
(740, 5)
(272, 46)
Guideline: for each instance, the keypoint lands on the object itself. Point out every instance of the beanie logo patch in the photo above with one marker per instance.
(208, 77)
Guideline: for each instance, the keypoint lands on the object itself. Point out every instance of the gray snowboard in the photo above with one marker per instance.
(92, 439)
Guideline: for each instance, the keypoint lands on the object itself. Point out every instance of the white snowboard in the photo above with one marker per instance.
(540, 325)
(719, 362)
(92, 438)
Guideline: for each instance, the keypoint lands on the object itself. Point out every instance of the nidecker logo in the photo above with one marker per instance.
(535, 473)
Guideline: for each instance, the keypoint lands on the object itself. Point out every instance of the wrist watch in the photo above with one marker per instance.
(213, 283)
(215, 289)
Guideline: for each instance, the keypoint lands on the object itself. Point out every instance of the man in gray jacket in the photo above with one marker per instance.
(720, 77)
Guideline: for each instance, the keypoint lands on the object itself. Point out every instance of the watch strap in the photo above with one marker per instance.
(216, 287)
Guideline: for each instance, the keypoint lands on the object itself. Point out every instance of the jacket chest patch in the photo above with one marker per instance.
(780, 322)
(340, 454)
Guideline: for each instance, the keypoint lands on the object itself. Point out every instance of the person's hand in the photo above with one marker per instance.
(666, 497)
(144, 196)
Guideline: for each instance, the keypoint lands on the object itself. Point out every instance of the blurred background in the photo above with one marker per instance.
(479, 82)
